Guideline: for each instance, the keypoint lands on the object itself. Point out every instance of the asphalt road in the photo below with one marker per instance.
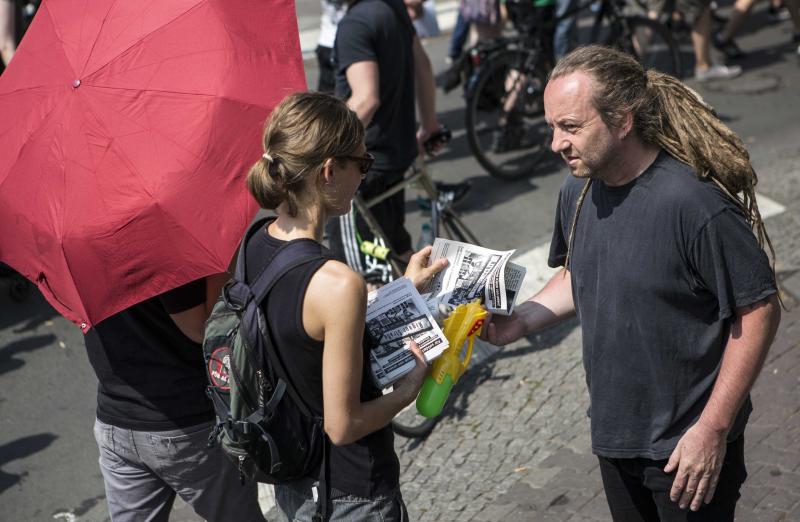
(48, 457)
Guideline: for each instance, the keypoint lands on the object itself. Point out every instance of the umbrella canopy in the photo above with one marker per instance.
(126, 132)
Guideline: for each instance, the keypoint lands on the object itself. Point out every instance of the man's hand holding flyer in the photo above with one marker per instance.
(397, 313)
(475, 272)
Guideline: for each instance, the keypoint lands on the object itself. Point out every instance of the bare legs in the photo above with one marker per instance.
(701, 40)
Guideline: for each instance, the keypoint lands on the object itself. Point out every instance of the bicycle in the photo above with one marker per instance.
(444, 221)
(505, 123)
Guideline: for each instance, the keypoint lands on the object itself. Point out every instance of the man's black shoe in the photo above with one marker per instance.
(727, 47)
(457, 192)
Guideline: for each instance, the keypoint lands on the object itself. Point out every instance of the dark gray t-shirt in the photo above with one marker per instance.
(381, 31)
(658, 268)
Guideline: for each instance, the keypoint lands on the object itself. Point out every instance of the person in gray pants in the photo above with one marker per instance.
(153, 417)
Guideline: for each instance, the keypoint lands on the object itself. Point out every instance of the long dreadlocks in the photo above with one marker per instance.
(668, 114)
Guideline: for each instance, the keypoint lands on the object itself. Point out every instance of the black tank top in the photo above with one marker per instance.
(368, 467)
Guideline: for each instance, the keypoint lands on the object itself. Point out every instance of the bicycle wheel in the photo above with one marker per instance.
(650, 42)
(505, 123)
(409, 423)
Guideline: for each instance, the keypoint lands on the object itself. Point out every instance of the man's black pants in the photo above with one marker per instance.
(637, 490)
(346, 233)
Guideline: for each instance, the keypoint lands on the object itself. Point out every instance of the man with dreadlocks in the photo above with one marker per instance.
(675, 294)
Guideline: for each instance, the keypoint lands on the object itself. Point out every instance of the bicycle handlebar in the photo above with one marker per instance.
(437, 138)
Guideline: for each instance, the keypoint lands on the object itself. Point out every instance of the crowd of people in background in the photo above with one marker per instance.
(700, 18)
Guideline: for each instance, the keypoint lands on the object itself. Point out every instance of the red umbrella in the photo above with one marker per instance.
(126, 131)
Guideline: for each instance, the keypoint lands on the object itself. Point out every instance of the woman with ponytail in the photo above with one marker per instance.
(663, 259)
(314, 160)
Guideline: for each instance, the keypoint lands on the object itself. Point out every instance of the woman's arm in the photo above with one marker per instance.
(333, 311)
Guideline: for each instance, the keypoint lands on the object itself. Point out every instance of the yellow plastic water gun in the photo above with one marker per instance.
(463, 324)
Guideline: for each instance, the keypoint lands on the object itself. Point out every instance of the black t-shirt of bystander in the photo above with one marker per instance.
(381, 31)
(151, 376)
(658, 268)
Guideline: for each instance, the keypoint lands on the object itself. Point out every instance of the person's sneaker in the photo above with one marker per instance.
(777, 14)
(717, 72)
(452, 76)
(452, 192)
(456, 192)
(727, 47)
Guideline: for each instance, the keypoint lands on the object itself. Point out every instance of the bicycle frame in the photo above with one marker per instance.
(419, 178)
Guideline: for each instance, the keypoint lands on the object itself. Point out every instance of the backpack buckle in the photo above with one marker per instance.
(231, 303)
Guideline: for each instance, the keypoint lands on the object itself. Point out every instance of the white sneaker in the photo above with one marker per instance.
(717, 72)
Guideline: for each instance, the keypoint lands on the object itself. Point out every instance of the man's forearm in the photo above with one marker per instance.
(425, 84)
(552, 304)
(750, 338)
(364, 81)
(365, 109)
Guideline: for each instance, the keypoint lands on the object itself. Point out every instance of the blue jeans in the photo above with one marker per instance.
(564, 37)
(296, 504)
(143, 472)
(459, 37)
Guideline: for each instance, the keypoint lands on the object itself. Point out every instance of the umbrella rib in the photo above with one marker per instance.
(155, 130)
(138, 41)
(163, 61)
(94, 43)
(27, 88)
(42, 123)
(167, 137)
(188, 93)
(199, 243)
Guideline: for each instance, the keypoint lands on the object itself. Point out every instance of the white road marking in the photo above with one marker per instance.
(768, 207)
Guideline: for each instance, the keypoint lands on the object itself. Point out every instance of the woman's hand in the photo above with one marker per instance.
(408, 386)
(418, 270)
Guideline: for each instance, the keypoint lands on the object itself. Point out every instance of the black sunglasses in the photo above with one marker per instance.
(364, 162)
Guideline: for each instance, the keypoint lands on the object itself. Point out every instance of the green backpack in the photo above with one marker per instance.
(262, 422)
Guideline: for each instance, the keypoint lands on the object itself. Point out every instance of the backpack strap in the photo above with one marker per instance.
(286, 258)
(246, 297)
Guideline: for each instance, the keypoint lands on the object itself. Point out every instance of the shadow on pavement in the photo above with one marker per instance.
(8, 361)
(26, 315)
(19, 449)
(484, 371)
